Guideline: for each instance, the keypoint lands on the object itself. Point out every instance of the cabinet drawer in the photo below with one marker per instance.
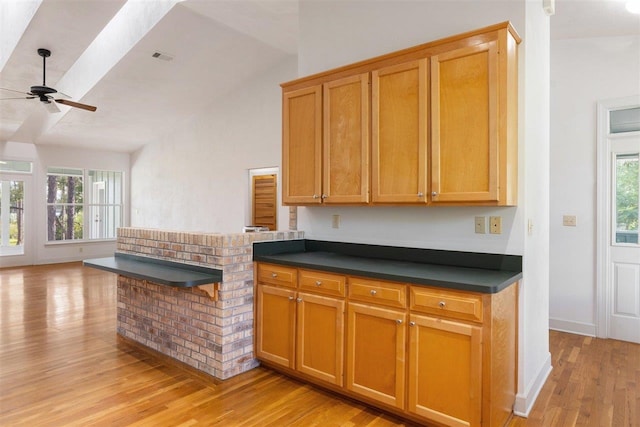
(446, 303)
(374, 291)
(277, 275)
(323, 283)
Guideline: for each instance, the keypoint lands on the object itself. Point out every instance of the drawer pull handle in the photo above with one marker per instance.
(274, 275)
(442, 304)
(412, 323)
(318, 283)
(399, 321)
(373, 292)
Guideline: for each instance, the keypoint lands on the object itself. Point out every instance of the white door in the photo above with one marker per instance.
(15, 215)
(624, 247)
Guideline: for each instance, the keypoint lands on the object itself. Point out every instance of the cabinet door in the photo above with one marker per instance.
(346, 140)
(275, 325)
(445, 371)
(376, 353)
(302, 146)
(320, 337)
(399, 133)
(464, 124)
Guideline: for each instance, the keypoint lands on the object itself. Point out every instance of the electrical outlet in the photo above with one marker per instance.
(495, 225)
(481, 224)
(569, 220)
(81, 249)
(335, 221)
(530, 227)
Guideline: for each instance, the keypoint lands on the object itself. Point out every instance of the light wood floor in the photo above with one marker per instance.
(61, 364)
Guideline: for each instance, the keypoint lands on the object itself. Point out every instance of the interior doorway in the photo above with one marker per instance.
(618, 212)
(264, 197)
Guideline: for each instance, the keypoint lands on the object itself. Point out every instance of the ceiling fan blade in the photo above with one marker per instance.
(76, 104)
(64, 95)
(22, 97)
(16, 91)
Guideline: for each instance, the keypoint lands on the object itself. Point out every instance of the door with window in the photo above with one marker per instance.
(15, 213)
(622, 260)
(624, 274)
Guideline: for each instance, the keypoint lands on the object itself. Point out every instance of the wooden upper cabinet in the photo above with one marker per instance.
(346, 140)
(399, 133)
(443, 126)
(302, 146)
(473, 124)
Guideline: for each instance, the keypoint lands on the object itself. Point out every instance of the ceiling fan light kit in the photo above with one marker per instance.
(43, 93)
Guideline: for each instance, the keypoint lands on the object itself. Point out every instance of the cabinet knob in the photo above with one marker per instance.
(421, 194)
(274, 275)
(399, 321)
(442, 304)
(373, 292)
(412, 323)
(318, 283)
(299, 299)
(290, 298)
(434, 194)
(324, 196)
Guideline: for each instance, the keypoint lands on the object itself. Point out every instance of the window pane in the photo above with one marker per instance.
(15, 166)
(64, 189)
(64, 222)
(104, 221)
(627, 183)
(624, 120)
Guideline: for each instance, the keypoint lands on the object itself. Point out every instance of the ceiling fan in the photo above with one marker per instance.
(45, 93)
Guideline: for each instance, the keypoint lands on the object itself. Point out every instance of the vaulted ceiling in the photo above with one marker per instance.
(102, 55)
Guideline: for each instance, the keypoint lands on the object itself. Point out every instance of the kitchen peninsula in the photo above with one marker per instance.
(207, 326)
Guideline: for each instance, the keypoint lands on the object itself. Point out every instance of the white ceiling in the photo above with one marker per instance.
(216, 45)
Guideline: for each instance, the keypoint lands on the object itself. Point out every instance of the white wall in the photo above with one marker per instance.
(584, 71)
(334, 33)
(38, 250)
(197, 178)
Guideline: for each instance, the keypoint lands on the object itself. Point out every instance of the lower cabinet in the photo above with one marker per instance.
(320, 337)
(428, 354)
(301, 331)
(445, 371)
(376, 348)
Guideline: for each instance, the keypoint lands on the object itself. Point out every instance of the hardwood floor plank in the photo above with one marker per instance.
(62, 364)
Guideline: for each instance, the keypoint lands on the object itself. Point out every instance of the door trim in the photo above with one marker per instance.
(603, 211)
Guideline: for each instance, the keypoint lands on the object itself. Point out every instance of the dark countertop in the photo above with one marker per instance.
(446, 269)
(157, 271)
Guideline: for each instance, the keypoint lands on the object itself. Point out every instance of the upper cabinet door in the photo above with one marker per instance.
(399, 133)
(346, 140)
(302, 146)
(465, 124)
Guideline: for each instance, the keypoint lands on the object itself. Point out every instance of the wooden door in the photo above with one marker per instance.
(346, 140)
(445, 371)
(399, 133)
(464, 125)
(275, 325)
(302, 146)
(264, 203)
(320, 337)
(376, 353)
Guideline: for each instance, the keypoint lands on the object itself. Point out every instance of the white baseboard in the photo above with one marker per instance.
(572, 327)
(524, 402)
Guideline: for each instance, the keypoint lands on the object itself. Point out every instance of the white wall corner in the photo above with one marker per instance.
(573, 327)
(524, 401)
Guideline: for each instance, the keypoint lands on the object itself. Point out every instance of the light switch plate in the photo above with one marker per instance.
(481, 224)
(495, 225)
(569, 220)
